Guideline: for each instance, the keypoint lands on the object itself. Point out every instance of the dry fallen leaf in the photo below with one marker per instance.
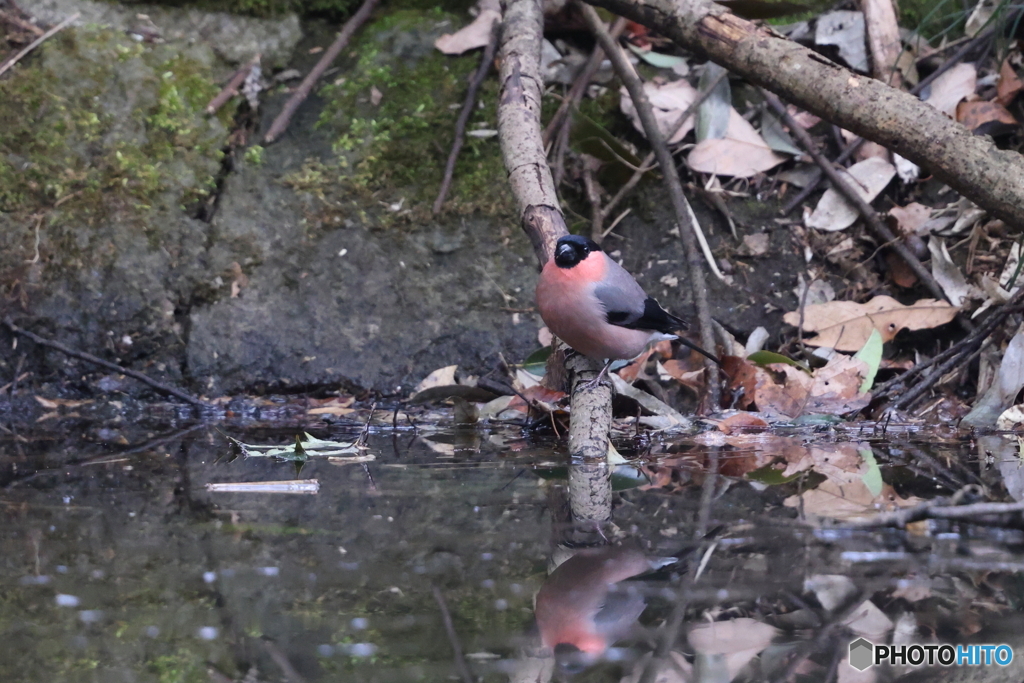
(956, 84)
(911, 218)
(868, 178)
(973, 115)
(668, 101)
(1009, 84)
(438, 378)
(733, 643)
(476, 34)
(846, 325)
(785, 391)
(947, 274)
(848, 501)
(845, 30)
(742, 153)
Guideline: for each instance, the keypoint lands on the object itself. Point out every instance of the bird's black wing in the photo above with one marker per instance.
(650, 317)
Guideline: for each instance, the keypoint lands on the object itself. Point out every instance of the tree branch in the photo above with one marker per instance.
(972, 165)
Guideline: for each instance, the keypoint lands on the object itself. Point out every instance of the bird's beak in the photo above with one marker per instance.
(564, 252)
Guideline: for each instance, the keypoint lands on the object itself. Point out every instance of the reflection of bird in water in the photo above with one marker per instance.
(580, 611)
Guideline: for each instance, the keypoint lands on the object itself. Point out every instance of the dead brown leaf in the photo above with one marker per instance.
(668, 101)
(742, 153)
(846, 325)
(975, 114)
(786, 391)
(956, 84)
(1009, 85)
(911, 218)
(852, 500)
(742, 376)
(742, 422)
(476, 34)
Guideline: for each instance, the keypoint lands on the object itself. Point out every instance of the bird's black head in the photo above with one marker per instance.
(572, 249)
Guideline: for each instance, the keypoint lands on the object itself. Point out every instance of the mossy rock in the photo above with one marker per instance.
(392, 117)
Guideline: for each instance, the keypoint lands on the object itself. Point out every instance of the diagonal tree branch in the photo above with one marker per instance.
(971, 165)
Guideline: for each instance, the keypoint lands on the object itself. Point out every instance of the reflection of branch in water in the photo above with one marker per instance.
(839, 617)
(453, 637)
(675, 621)
(106, 457)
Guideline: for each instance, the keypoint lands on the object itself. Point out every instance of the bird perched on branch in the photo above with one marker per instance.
(592, 304)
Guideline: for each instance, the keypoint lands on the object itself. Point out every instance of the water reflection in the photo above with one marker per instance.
(121, 565)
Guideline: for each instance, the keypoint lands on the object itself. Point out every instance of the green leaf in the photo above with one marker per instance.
(763, 358)
(873, 476)
(713, 114)
(871, 353)
(536, 363)
(591, 137)
(770, 476)
(776, 137)
(656, 58)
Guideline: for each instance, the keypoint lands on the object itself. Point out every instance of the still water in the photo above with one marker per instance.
(118, 563)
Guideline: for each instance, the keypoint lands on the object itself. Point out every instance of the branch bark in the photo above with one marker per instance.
(519, 106)
(972, 165)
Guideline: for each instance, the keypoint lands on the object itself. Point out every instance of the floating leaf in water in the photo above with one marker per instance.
(302, 450)
(872, 476)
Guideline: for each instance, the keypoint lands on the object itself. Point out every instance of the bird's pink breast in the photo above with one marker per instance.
(569, 308)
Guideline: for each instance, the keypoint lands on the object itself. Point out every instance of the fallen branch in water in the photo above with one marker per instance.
(89, 358)
(36, 43)
(467, 109)
(280, 124)
(453, 637)
(901, 518)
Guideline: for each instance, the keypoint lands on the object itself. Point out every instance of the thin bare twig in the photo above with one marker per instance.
(88, 357)
(579, 87)
(231, 89)
(648, 163)
(281, 659)
(36, 43)
(18, 22)
(467, 109)
(689, 230)
(280, 124)
(842, 185)
(453, 637)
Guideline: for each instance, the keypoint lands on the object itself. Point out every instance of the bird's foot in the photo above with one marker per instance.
(596, 382)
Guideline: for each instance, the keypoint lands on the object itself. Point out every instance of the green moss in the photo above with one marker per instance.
(254, 155)
(392, 120)
(181, 667)
(102, 123)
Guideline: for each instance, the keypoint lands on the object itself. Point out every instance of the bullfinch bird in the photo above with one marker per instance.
(592, 304)
(580, 611)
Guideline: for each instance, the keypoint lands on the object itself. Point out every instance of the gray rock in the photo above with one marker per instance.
(235, 39)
